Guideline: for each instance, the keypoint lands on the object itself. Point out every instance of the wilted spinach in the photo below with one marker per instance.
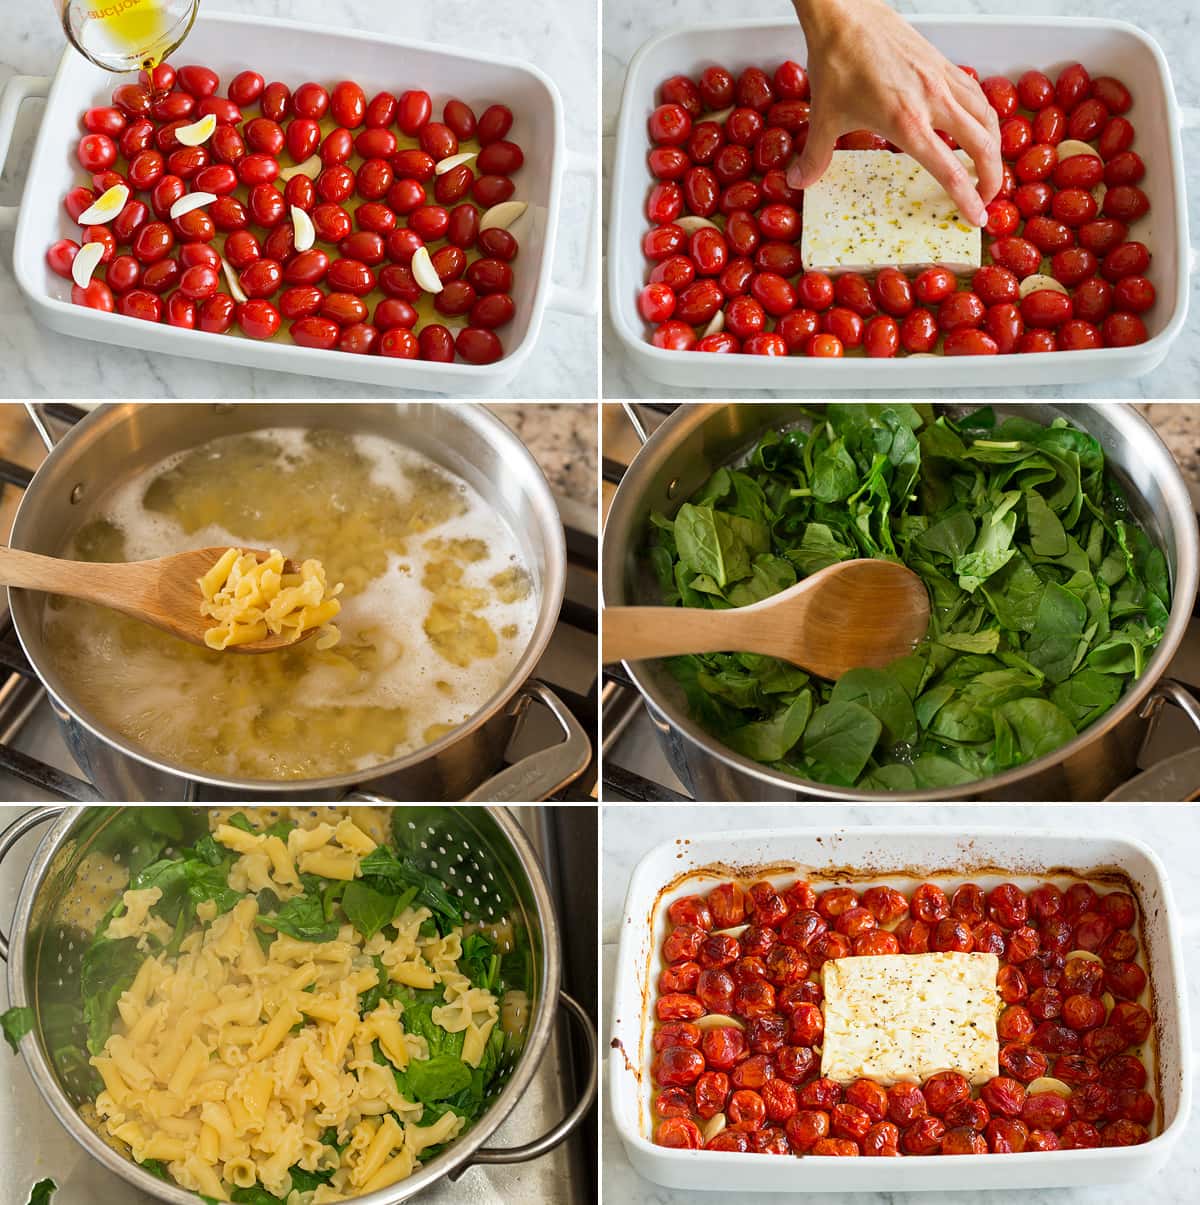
(1047, 597)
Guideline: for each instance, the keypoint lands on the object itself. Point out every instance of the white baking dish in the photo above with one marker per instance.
(895, 856)
(993, 45)
(294, 53)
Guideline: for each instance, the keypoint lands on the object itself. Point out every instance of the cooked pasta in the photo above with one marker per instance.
(294, 1016)
(438, 608)
(250, 598)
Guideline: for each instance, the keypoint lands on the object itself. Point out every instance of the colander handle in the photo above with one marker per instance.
(542, 773)
(13, 834)
(549, 1140)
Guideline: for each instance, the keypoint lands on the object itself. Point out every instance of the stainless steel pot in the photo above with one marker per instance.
(482, 847)
(119, 441)
(697, 439)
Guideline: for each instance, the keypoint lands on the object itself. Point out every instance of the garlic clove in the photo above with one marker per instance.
(1037, 282)
(717, 324)
(235, 285)
(502, 216)
(105, 207)
(691, 222)
(306, 234)
(452, 161)
(192, 200)
(311, 167)
(1071, 147)
(198, 132)
(86, 260)
(424, 273)
(721, 116)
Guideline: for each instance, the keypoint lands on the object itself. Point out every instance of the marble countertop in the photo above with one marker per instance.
(630, 23)
(563, 440)
(1178, 424)
(560, 38)
(1173, 833)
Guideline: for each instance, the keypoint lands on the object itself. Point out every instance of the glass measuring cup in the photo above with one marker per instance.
(125, 35)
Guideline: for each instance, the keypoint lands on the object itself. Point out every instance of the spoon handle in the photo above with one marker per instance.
(109, 584)
(638, 633)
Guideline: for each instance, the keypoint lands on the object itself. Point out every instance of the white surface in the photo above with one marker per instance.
(1172, 833)
(629, 24)
(40, 362)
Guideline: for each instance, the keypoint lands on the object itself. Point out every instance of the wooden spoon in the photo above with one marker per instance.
(855, 614)
(162, 592)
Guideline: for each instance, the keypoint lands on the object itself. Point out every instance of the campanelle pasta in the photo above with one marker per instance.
(249, 598)
(249, 1056)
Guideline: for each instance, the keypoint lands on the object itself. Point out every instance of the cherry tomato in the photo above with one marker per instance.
(315, 332)
(918, 333)
(1037, 163)
(1004, 324)
(1019, 255)
(133, 100)
(847, 327)
(96, 152)
(674, 336)
(246, 87)
(958, 311)
(1126, 259)
(399, 342)
(1035, 91)
(1001, 94)
(1073, 85)
(1126, 202)
(1073, 265)
(1134, 294)
(501, 158)
(258, 319)
(142, 304)
(881, 336)
(301, 301)
(1050, 125)
(1117, 136)
(494, 310)
(262, 278)
(494, 124)
(310, 100)
(1045, 308)
(1073, 206)
(1087, 120)
(933, 285)
(348, 104)
(438, 140)
(478, 346)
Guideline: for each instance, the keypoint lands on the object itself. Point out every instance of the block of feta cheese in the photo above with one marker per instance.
(875, 209)
(894, 1017)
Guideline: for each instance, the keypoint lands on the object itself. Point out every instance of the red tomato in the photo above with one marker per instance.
(1117, 136)
(1037, 163)
(1134, 294)
(852, 291)
(881, 336)
(1127, 259)
(825, 346)
(96, 152)
(893, 292)
(301, 301)
(348, 104)
(762, 345)
(1005, 325)
(994, 284)
(258, 319)
(846, 325)
(935, 284)
(1073, 85)
(669, 125)
(674, 336)
(199, 81)
(1073, 265)
(1019, 255)
(246, 87)
(1126, 202)
(1035, 91)
(918, 333)
(774, 292)
(957, 312)
(1001, 94)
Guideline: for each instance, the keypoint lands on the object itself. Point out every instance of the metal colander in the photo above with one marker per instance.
(85, 861)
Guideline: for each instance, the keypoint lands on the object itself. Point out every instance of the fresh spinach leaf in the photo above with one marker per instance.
(42, 1191)
(16, 1023)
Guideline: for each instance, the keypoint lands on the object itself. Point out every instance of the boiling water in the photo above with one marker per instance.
(438, 607)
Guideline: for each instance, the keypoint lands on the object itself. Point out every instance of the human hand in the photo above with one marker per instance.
(869, 69)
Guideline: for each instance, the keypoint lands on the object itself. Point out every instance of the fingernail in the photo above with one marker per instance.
(795, 177)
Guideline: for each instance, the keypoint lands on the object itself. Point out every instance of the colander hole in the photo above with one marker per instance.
(424, 844)
(441, 849)
(433, 864)
(469, 879)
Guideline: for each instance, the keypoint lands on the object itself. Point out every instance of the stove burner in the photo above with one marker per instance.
(21, 694)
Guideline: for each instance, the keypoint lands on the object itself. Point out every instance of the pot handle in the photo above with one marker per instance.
(1173, 780)
(580, 298)
(11, 835)
(546, 771)
(18, 90)
(552, 1137)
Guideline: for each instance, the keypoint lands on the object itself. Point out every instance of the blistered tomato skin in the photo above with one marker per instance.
(758, 1068)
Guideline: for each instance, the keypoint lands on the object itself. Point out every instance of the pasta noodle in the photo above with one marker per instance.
(249, 598)
(242, 1055)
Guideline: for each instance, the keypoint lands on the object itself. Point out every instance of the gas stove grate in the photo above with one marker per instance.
(21, 693)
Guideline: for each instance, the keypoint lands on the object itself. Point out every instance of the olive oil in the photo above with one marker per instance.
(123, 35)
